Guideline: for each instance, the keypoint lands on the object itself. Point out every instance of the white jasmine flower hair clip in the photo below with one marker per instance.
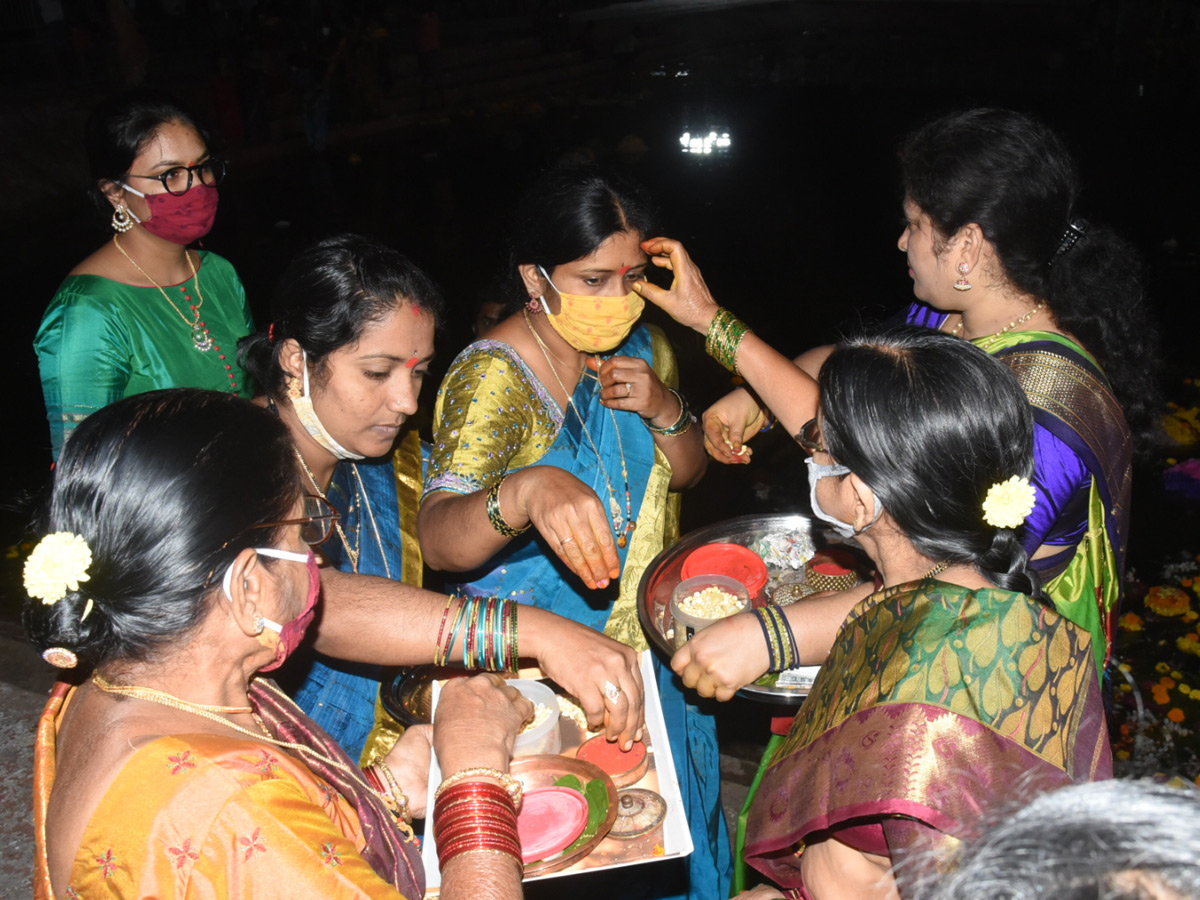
(57, 564)
(1009, 503)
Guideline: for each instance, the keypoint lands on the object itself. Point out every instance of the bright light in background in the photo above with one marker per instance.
(705, 144)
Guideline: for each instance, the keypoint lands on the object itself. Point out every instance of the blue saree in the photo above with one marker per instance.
(494, 416)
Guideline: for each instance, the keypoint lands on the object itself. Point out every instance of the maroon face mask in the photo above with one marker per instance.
(181, 219)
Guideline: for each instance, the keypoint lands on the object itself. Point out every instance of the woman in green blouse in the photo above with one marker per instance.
(144, 312)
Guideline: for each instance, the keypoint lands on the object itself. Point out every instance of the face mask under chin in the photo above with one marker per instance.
(307, 414)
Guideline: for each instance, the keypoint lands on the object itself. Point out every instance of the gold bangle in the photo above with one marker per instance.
(496, 517)
(511, 786)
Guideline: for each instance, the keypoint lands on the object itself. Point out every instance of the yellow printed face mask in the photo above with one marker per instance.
(594, 324)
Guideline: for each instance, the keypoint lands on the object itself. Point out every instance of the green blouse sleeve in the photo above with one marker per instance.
(84, 356)
(492, 415)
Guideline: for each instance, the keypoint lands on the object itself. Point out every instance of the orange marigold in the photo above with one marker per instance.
(1168, 601)
(1175, 714)
(1131, 622)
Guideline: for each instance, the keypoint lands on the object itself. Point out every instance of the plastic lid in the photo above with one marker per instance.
(731, 560)
(550, 820)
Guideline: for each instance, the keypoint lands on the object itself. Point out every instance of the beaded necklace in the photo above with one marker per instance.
(623, 525)
(361, 498)
(200, 337)
(992, 338)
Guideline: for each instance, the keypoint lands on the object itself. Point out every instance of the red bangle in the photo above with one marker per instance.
(465, 790)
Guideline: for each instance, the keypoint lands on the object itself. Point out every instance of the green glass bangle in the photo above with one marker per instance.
(724, 338)
(494, 515)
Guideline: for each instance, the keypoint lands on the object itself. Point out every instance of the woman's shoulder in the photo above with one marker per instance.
(488, 359)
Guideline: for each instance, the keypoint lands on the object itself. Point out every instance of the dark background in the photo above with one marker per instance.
(794, 226)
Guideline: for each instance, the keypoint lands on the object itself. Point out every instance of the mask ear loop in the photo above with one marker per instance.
(542, 297)
(227, 579)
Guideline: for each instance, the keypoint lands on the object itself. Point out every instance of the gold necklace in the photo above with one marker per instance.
(162, 698)
(200, 336)
(623, 525)
(354, 552)
(156, 696)
(937, 570)
(991, 338)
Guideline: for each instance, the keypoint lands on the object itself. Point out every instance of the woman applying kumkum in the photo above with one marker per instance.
(144, 312)
(998, 255)
(559, 441)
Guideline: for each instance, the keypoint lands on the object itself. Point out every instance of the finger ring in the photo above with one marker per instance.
(628, 388)
(568, 538)
(612, 692)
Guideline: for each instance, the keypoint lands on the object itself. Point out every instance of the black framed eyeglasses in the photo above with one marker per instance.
(178, 181)
(809, 437)
(317, 521)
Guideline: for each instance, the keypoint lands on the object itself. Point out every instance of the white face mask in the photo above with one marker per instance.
(816, 472)
(307, 414)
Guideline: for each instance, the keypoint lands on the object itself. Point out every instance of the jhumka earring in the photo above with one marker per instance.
(962, 284)
(535, 303)
(294, 390)
(122, 221)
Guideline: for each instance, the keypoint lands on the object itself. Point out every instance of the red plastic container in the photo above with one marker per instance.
(731, 560)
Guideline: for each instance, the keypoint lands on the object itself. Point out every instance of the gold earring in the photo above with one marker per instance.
(122, 221)
(294, 390)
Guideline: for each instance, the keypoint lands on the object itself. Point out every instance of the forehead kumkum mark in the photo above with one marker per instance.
(412, 363)
(621, 272)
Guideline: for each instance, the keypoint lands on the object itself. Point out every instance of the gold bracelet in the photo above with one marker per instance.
(394, 790)
(511, 786)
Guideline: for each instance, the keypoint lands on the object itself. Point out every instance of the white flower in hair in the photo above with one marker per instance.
(57, 564)
(1009, 503)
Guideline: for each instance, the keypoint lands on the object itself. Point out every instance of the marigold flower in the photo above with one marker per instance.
(1168, 601)
(57, 564)
(1131, 622)
(1008, 503)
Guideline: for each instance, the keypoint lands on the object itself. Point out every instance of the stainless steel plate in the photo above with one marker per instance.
(663, 574)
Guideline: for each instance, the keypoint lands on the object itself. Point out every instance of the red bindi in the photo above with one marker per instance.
(623, 270)
(412, 363)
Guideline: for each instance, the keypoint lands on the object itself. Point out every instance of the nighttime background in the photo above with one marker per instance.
(794, 222)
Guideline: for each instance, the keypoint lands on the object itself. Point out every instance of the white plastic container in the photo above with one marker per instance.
(689, 586)
(546, 737)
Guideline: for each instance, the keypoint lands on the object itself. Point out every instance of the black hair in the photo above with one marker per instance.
(569, 212)
(327, 296)
(166, 488)
(1114, 839)
(119, 129)
(930, 422)
(1015, 178)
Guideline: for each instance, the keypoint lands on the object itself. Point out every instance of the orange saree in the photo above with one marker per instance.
(202, 817)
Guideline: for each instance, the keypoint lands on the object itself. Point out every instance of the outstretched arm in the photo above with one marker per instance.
(789, 392)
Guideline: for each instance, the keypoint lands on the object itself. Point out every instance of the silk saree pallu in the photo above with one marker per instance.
(935, 703)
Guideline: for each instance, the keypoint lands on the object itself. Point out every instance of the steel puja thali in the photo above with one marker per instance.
(800, 557)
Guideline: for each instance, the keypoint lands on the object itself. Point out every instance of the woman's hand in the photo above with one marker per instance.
(731, 421)
(724, 657)
(477, 722)
(572, 519)
(629, 383)
(409, 762)
(761, 892)
(601, 673)
(688, 300)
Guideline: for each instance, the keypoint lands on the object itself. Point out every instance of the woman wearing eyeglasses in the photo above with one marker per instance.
(144, 311)
(175, 572)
